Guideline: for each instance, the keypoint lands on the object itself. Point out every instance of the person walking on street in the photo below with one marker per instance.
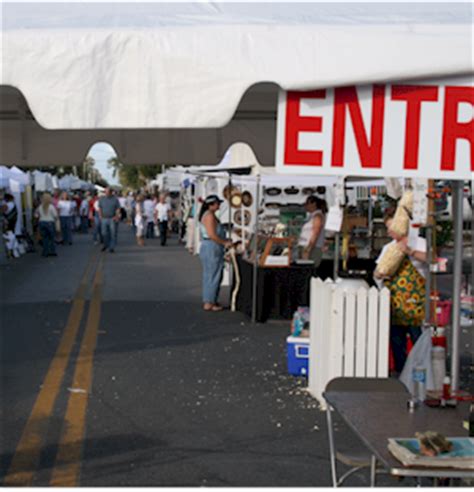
(109, 212)
(48, 223)
(120, 215)
(10, 213)
(139, 218)
(129, 206)
(95, 219)
(66, 213)
(123, 207)
(76, 219)
(149, 207)
(212, 252)
(132, 199)
(84, 214)
(162, 215)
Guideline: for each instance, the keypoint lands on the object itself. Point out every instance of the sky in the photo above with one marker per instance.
(101, 152)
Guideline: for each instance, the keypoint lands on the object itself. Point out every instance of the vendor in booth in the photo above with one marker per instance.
(311, 240)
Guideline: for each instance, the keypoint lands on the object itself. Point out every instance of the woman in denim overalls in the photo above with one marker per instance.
(212, 252)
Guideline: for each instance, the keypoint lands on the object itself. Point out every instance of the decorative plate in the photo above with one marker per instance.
(273, 191)
(236, 199)
(247, 198)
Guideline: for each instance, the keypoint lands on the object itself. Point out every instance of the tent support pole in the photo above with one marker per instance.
(255, 255)
(336, 256)
(229, 234)
(428, 280)
(371, 220)
(181, 215)
(457, 281)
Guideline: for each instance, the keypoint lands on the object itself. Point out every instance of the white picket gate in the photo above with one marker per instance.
(349, 333)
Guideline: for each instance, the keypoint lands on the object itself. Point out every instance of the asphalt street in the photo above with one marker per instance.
(112, 375)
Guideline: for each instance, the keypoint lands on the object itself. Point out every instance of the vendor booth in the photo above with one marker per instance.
(309, 80)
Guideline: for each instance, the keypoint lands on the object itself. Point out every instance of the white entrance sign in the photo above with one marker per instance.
(418, 129)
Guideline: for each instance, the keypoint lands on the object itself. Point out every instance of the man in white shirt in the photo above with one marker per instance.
(66, 214)
(123, 207)
(162, 215)
(148, 208)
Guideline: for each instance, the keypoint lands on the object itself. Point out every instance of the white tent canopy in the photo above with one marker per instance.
(5, 175)
(179, 83)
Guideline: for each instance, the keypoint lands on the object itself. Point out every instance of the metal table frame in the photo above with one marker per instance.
(390, 464)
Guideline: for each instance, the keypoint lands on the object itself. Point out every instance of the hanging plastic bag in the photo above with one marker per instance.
(419, 357)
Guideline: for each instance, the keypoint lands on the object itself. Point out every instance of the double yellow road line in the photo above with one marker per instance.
(27, 454)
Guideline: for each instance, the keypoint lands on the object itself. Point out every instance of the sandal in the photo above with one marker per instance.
(212, 307)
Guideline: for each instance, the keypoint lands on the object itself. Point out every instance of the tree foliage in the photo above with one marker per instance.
(133, 177)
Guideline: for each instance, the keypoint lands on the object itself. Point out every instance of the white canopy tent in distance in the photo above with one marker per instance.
(387, 88)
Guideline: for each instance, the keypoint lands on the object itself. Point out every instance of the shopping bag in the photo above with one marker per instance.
(419, 357)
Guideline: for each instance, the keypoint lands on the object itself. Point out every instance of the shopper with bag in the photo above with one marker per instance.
(403, 271)
(48, 224)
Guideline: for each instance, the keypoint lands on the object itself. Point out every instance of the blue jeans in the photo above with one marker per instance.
(48, 233)
(163, 226)
(150, 230)
(66, 229)
(108, 233)
(212, 259)
(97, 233)
(398, 342)
(84, 224)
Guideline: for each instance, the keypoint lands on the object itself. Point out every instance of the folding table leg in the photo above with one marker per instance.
(373, 470)
(332, 451)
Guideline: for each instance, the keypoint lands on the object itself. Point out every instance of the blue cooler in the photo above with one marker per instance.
(298, 355)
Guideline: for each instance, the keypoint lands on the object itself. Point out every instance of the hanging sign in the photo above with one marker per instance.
(420, 201)
(334, 219)
(421, 129)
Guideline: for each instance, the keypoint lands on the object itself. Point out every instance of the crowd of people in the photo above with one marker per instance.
(61, 215)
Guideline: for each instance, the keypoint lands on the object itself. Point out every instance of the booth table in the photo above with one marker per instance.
(280, 291)
(377, 416)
